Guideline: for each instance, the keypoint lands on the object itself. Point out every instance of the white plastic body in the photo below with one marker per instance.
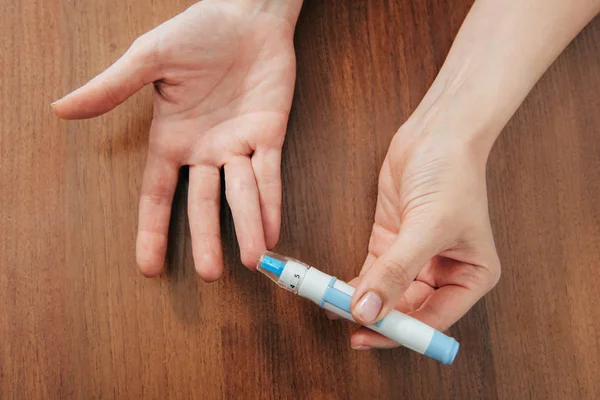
(399, 327)
(314, 285)
(292, 276)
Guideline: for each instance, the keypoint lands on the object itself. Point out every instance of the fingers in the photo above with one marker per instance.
(439, 308)
(411, 300)
(390, 275)
(112, 87)
(448, 304)
(366, 339)
(242, 196)
(413, 297)
(203, 208)
(442, 309)
(267, 170)
(369, 260)
(158, 187)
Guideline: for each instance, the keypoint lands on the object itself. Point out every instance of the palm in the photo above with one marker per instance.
(233, 88)
(224, 79)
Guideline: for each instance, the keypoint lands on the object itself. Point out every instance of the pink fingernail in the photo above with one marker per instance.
(368, 308)
(331, 315)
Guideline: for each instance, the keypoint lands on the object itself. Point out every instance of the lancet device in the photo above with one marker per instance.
(334, 295)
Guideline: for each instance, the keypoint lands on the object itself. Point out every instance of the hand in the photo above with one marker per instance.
(431, 252)
(224, 76)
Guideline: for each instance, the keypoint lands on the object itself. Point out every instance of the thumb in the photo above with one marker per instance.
(390, 275)
(127, 75)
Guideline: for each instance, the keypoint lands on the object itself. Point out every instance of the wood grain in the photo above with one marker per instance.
(77, 319)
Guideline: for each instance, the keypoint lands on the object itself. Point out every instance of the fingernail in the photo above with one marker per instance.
(331, 315)
(368, 308)
(361, 347)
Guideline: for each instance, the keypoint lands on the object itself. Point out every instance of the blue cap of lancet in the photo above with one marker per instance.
(272, 265)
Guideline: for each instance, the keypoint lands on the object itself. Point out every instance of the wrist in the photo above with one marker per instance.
(472, 98)
(288, 9)
(499, 53)
(458, 113)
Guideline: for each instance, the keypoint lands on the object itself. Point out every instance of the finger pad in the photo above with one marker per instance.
(208, 266)
(150, 253)
(369, 338)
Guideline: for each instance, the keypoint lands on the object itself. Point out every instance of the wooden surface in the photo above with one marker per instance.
(77, 319)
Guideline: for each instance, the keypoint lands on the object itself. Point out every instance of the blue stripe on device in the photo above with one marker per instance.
(442, 348)
(338, 298)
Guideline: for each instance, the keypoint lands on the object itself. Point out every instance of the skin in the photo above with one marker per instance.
(224, 74)
(431, 252)
(224, 77)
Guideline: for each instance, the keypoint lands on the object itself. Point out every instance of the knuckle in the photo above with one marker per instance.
(204, 198)
(154, 199)
(495, 273)
(437, 318)
(491, 276)
(145, 50)
(396, 273)
(237, 185)
(269, 179)
(141, 45)
(111, 93)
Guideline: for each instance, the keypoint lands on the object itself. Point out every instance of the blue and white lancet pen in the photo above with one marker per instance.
(334, 295)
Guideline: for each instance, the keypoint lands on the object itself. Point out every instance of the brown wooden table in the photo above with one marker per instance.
(77, 319)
